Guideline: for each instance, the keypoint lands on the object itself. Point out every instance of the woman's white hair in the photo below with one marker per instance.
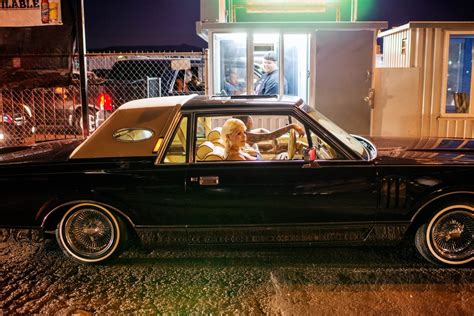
(229, 127)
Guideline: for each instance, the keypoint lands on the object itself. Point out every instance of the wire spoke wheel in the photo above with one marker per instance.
(452, 235)
(90, 233)
(447, 237)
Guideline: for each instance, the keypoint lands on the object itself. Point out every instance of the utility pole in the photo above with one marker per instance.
(81, 47)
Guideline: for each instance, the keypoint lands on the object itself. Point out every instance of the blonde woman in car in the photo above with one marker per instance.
(234, 137)
(254, 137)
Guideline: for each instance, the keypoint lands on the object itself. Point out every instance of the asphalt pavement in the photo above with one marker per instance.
(35, 278)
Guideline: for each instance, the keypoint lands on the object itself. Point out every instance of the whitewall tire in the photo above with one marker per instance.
(90, 233)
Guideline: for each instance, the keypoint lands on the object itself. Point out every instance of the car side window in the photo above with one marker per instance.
(176, 152)
(268, 138)
(324, 151)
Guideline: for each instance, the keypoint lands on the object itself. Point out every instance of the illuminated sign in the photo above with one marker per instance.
(20, 13)
(288, 11)
(282, 6)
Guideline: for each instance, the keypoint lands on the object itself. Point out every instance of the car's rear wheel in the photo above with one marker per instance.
(447, 237)
(90, 233)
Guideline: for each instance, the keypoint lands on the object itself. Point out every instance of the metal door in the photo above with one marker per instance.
(344, 66)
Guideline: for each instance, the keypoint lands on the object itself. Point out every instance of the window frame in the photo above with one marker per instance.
(444, 84)
(215, 66)
(294, 113)
(250, 70)
(169, 142)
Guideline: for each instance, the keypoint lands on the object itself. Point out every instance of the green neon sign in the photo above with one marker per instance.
(297, 10)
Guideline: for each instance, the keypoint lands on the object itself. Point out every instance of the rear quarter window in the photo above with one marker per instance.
(130, 135)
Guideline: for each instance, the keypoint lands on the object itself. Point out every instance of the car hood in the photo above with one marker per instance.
(395, 150)
(50, 151)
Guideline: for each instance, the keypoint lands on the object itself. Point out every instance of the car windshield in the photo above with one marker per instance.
(349, 140)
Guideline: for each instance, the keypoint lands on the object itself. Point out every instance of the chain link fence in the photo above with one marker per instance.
(34, 115)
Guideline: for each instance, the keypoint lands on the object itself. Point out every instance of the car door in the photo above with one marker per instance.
(281, 200)
(330, 201)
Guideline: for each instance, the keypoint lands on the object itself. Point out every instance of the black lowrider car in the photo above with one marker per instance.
(155, 170)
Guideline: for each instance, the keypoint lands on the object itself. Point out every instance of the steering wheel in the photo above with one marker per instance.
(292, 144)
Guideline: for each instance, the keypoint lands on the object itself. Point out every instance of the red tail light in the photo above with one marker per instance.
(105, 102)
(7, 118)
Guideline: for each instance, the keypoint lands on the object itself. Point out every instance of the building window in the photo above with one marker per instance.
(230, 62)
(267, 46)
(459, 80)
(404, 46)
(297, 64)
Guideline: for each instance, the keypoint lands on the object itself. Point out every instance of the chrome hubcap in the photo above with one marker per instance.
(452, 235)
(89, 232)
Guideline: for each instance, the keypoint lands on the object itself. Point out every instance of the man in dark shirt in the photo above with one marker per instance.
(269, 83)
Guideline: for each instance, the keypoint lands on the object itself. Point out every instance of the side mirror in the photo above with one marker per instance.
(309, 154)
(310, 158)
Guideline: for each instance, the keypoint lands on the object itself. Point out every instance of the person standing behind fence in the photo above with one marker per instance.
(183, 80)
(269, 83)
(195, 85)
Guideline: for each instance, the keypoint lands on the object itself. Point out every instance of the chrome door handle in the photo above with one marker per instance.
(209, 180)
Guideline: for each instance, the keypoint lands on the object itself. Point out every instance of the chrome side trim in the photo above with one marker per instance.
(387, 232)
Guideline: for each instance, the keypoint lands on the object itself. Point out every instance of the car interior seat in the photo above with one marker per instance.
(213, 148)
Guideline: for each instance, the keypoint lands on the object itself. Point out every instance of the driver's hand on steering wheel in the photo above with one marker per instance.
(299, 129)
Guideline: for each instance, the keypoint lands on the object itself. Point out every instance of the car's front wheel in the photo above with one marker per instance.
(447, 237)
(90, 233)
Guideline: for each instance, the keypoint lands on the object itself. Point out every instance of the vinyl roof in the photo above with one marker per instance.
(159, 115)
(203, 102)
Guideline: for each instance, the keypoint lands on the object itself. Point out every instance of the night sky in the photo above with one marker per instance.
(146, 23)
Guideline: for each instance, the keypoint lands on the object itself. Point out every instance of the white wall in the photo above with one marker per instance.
(426, 52)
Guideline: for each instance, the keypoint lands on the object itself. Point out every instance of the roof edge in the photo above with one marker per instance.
(202, 28)
(428, 24)
(155, 102)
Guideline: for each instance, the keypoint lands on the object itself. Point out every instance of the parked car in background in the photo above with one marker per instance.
(157, 169)
(16, 125)
(68, 109)
(55, 110)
